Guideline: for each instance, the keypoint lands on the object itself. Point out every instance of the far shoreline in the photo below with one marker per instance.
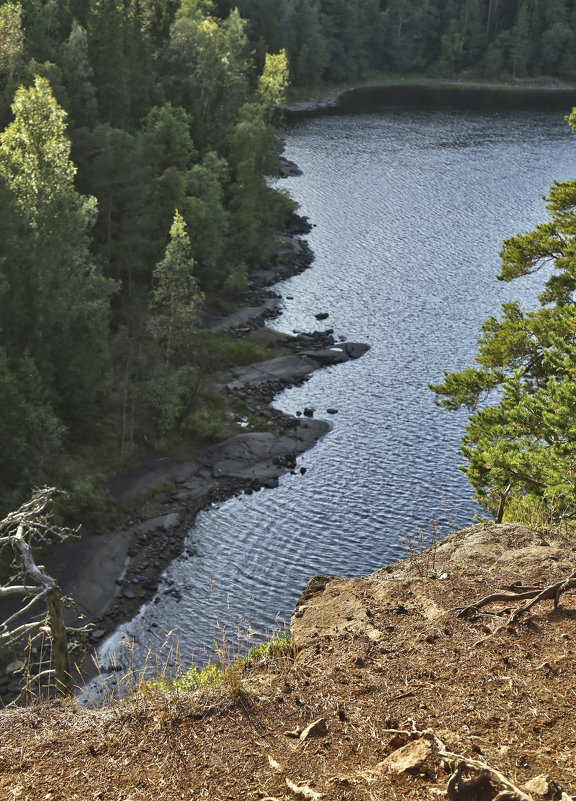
(545, 92)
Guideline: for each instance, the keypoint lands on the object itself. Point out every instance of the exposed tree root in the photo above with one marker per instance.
(554, 591)
(483, 775)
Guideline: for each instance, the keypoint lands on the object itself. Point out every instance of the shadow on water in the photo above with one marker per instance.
(374, 99)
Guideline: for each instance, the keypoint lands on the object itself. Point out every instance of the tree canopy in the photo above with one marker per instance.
(343, 40)
(134, 144)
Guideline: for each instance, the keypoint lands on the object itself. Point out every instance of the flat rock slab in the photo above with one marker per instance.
(296, 366)
(87, 570)
(149, 474)
(254, 455)
(241, 316)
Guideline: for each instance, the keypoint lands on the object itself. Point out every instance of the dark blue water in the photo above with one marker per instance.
(410, 209)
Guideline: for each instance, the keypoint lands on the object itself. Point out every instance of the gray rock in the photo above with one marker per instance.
(355, 349)
(544, 786)
(171, 521)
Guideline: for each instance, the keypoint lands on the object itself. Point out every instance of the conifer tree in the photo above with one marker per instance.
(522, 446)
(177, 301)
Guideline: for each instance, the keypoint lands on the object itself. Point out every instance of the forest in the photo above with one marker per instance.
(137, 141)
(343, 40)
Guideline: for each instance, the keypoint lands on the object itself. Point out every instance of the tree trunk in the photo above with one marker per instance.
(59, 643)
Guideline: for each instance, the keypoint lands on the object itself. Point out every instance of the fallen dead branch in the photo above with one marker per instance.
(303, 791)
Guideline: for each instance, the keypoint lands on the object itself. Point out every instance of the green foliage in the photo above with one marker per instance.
(281, 645)
(86, 504)
(214, 56)
(11, 40)
(343, 40)
(522, 448)
(213, 675)
(217, 350)
(208, 220)
(136, 139)
(79, 76)
(169, 397)
(177, 301)
(274, 80)
(56, 294)
(206, 424)
(192, 681)
(35, 152)
(30, 433)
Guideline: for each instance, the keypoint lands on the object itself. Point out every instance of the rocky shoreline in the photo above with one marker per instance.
(111, 575)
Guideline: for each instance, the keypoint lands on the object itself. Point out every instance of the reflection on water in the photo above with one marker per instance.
(410, 209)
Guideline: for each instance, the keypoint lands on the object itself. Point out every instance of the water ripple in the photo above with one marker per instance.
(410, 209)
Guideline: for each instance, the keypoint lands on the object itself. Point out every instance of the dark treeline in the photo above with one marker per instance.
(342, 40)
(136, 139)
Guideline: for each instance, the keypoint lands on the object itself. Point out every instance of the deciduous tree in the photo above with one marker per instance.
(60, 299)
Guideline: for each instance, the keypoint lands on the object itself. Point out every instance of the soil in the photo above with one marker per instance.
(409, 699)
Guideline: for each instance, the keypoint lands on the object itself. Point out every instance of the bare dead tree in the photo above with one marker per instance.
(41, 612)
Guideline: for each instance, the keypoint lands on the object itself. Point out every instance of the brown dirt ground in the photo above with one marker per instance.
(501, 694)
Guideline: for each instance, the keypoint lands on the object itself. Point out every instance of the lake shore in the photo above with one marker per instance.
(111, 575)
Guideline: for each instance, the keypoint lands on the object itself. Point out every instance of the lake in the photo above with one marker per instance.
(410, 207)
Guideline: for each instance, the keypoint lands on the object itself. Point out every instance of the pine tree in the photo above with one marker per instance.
(522, 447)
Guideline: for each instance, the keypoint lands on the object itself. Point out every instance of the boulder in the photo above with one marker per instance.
(544, 786)
(408, 759)
(171, 521)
